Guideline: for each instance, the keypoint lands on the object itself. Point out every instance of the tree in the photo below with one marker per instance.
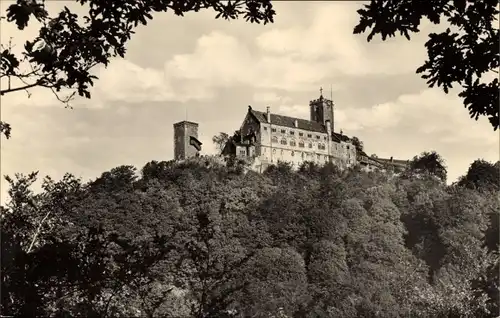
(428, 163)
(462, 55)
(482, 175)
(357, 143)
(220, 140)
(65, 50)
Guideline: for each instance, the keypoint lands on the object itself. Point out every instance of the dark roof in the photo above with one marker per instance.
(185, 122)
(393, 162)
(341, 137)
(286, 121)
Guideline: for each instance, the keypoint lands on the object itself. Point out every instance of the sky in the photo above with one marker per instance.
(209, 71)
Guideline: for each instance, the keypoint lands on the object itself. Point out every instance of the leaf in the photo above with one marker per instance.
(20, 13)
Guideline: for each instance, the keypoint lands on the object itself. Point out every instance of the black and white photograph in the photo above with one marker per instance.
(249, 158)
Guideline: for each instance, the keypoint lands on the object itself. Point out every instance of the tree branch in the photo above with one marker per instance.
(10, 90)
(37, 232)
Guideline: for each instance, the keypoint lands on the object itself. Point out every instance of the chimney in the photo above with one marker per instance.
(296, 123)
(268, 113)
(328, 128)
(391, 159)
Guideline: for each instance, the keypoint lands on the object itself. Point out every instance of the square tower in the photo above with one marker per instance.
(186, 143)
(322, 110)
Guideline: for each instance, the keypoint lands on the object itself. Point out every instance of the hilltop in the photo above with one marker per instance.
(202, 238)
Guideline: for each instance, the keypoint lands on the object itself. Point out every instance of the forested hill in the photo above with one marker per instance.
(200, 239)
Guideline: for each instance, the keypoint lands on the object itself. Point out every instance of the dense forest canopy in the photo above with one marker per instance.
(202, 238)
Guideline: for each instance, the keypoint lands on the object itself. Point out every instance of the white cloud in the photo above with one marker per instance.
(329, 37)
(221, 60)
(429, 112)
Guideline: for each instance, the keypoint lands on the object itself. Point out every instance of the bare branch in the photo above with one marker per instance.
(39, 228)
(10, 90)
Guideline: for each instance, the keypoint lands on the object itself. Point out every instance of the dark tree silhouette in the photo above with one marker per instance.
(429, 163)
(461, 55)
(482, 175)
(65, 50)
(357, 143)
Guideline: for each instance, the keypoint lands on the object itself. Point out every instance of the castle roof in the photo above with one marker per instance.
(286, 121)
(304, 124)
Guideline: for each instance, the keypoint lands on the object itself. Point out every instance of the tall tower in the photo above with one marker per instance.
(186, 143)
(322, 110)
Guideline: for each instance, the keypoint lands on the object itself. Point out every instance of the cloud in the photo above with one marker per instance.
(428, 112)
(221, 60)
(329, 38)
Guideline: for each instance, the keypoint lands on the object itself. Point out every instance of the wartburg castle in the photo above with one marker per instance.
(265, 139)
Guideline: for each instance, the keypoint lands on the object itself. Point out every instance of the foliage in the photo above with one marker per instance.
(357, 143)
(482, 175)
(461, 55)
(428, 164)
(220, 140)
(195, 239)
(66, 48)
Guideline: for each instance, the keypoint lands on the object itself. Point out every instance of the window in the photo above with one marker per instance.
(243, 152)
(274, 139)
(309, 136)
(274, 150)
(283, 142)
(292, 143)
(301, 134)
(273, 129)
(319, 157)
(310, 145)
(283, 131)
(301, 144)
(302, 155)
(321, 146)
(318, 137)
(293, 154)
(325, 138)
(265, 128)
(347, 147)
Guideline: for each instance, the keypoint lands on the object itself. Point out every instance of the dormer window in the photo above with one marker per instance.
(283, 131)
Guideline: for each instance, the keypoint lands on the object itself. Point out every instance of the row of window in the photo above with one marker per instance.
(302, 154)
(292, 143)
(301, 134)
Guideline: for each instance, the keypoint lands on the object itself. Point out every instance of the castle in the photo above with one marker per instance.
(265, 139)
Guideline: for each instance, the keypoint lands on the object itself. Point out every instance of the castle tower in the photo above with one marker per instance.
(322, 110)
(186, 143)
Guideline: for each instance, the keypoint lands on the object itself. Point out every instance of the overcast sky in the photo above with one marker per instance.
(213, 69)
